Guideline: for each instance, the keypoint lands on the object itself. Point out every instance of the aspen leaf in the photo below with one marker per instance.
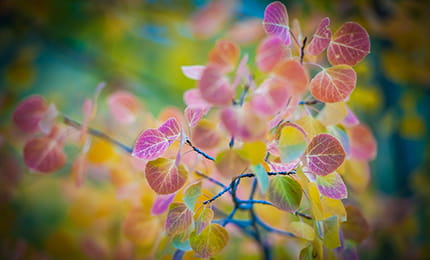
(357, 174)
(44, 154)
(242, 123)
(294, 74)
(161, 203)
(140, 227)
(331, 238)
(229, 163)
(123, 106)
(224, 55)
(204, 135)
(332, 186)
(210, 241)
(356, 226)
(262, 177)
(333, 113)
(269, 53)
(192, 194)
(362, 142)
(171, 129)
(202, 219)
(29, 112)
(193, 72)
(350, 44)
(324, 154)
(276, 21)
(302, 230)
(179, 218)
(164, 176)
(311, 125)
(151, 144)
(194, 115)
(333, 84)
(214, 87)
(292, 143)
(270, 97)
(193, 98)
(254, 152)
(285, 193)
(321, 38)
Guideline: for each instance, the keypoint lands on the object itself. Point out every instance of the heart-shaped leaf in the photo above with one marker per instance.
(224, 55)
(324, 154)
(171, 129)
(202, 219)
(276, 21)
(161, 203)
(210, 241)
(179, 218)
(333, 84)
(285, 193)
(151, 144)
(321, 38)
(270, 97)
(164, 176)
(350, 44)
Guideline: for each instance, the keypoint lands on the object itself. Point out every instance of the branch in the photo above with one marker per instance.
(272, 229)
(302, 50)
(310, 102)
(70, 122)
(199, 151)
(210, 179)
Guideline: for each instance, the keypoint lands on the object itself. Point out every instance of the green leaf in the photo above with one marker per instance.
(181, 244)
(202, 219)
(192, 194)
(262, 177)
(285, 193)
(210, 241)
(302, 230)
(179, 218)
(330, 230)
(292, 143)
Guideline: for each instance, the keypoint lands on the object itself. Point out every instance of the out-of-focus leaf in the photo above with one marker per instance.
(210, 241)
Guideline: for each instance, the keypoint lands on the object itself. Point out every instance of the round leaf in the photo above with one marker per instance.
(210, 241)
(224, 55)
(285, 193)
(294, 74)
(151, 144)
(269, 53)
(302, 230)
(276, 21)
(164, 176)
(334, 84)
(350, 45)
(242, 123)
(29, 112)
(324, 154)
(123, 106)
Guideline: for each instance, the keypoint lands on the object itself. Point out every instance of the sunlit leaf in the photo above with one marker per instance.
(123, 106)
(324, 154)
(333, 113)
(164, 176)
(179, 218)
(214, 87)
(202, 219)
(205, 136)
(44, 154)
(350, 44)
(161, 203)
(334, 84)
(192, 194)
(210, 241)
(362, 142)
(332, 186)
(276, 21)
(333, 207)
(262, 177)
(357, 174)
(241, 123)
(356, 226)
(285, 193)
(224, 55)
(194, 115)
(229, 163)
(193, 72)
(269, 53)
(151, 144)
(140, 227)
(292, 142)
(294, 74)
(254, 152)
(171, 129)
(311, 125)
(302, 230)
(29, 112)
(314, 198)
(321, 38)
(194, 99)
(270, 97)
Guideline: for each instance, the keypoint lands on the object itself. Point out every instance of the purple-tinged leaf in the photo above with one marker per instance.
(269, 53)
(171, 129)
(332, 186)
(214, 87)
(270, 97)
(242, 123)
(193, 72)
(179, 218)
(48, 120)
(44, 154)
(276, 21)
(321, 38)
(324, 154)
(350, 119)
(194, 115)
(151, 144)
(193, 98)
(283, 167)
(161, 203)
(164, 176)
(29, 112)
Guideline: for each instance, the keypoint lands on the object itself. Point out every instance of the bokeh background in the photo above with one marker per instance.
(63, 49)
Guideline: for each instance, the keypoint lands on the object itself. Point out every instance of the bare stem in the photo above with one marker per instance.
(197, 150)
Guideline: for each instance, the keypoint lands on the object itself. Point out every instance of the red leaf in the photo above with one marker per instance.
(29, 112)
(334, 84)
(151, 144)
(270, 97)
(242, 123)
(194, 115)
(123, 106)
(214, 87)
(294, 74)
(224, 55)
(44, 154)
(164, 176)
(324, 154)
(362, 142)
(276, 21)
(269, 53)
(350, 45)
(179, 218)
(171, 129)
(321, 38)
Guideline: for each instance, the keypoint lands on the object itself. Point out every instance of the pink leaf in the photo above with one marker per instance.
(276, 21)
(283, 167)
(324, 154)
(362, 142)
(269, 53)
(29, 112)
(332, 186)
(193, 72)
(246, 31)
(123, 106)
(47, 122)
(161, 203)
(164, 176)
(294, 74)
(214, 87)
(350, 119)
(286, 112)
(193, 98)
(194, 115)
(334, 84)
(171, 129)
(349, 46)
(151, 144)
(321, 38)
(224, 55)
(44, 154)
(242, 123)
(242, 72)
(270, 97)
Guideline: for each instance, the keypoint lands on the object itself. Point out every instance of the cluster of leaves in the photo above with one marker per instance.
(291, 132)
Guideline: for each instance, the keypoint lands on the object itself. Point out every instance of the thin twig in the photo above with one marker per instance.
(274, 230)
(197, 150)
(210, 179)
(302, 49)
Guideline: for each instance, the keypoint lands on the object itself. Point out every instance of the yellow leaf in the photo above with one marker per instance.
(356, 174)
(316, 206)
(333, 113)
(311, 126)
(333, 207)
(100, 151)
(302, 230)
(253, 152)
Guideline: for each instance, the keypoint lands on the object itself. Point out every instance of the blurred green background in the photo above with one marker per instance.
(63, 49)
